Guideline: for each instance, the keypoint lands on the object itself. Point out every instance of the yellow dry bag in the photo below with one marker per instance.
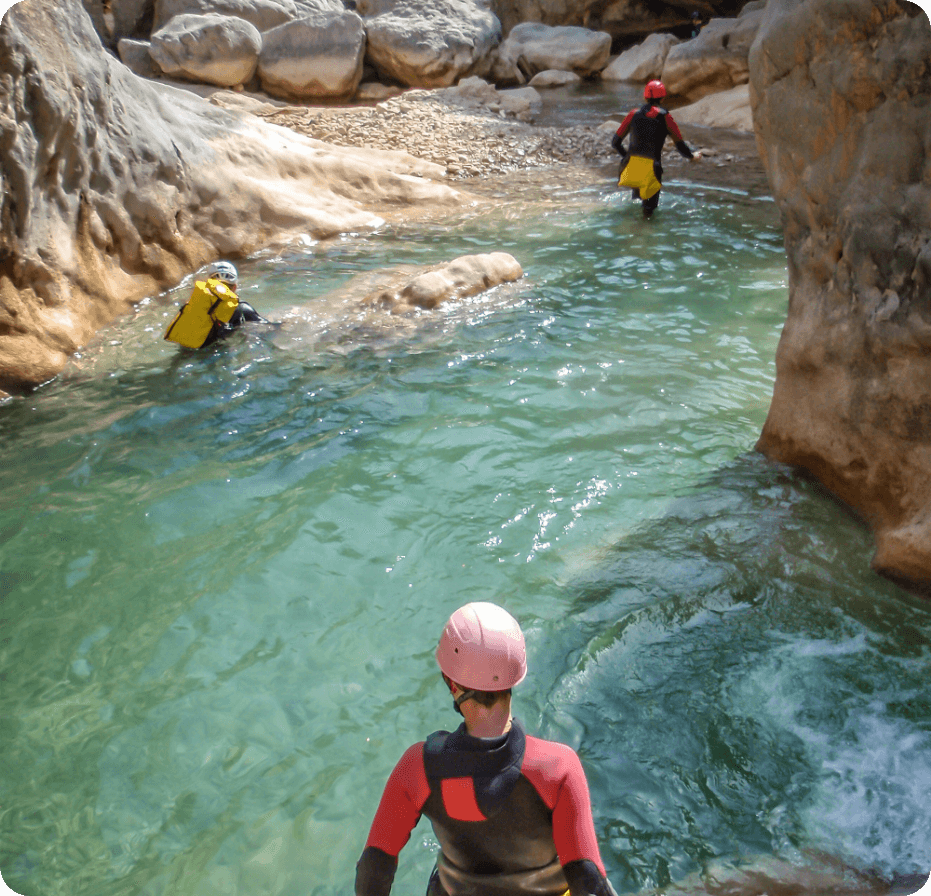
(638, 174)
(212, 302)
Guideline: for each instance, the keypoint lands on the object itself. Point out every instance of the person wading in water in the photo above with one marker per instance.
(648, 127)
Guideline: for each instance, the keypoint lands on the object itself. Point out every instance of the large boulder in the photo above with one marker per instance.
(113, 188)
(319, 55)
(643, 62)
(428, 43)
(531, 48)
(716, 60)
(729, 109)
(264, 14)
(841, 97)
(218, 50)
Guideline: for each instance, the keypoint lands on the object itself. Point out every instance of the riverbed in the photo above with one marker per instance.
(224, 573)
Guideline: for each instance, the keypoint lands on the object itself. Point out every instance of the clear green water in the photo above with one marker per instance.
(223, 574)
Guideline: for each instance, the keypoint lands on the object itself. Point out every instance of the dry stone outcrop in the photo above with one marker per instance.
(263, 14)
(211, 49)
(532, 48)
(642, 62)
(716, 60)
(319, 55)
(428, 43)
(841, 98)
(113, 188)
(627, 21)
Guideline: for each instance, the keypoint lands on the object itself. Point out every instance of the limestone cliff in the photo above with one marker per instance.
(114, 187)
(841, 96)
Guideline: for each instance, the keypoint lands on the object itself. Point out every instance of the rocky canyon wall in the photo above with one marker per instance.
(841, 96)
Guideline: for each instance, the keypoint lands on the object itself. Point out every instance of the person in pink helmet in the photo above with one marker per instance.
(641, 166)
(511, 812)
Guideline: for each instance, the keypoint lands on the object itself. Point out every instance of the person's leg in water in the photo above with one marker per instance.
(649, 205)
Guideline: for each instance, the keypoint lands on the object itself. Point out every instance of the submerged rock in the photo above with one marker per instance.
(842, 107)
(459, 279)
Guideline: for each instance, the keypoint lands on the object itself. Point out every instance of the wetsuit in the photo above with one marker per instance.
(244, 312)
(649, 126)
(511, 814)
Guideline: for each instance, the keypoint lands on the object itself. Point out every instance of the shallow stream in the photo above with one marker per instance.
(223, 574)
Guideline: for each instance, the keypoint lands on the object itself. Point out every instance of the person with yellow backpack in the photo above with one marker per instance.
(213, 311)
(648, 126)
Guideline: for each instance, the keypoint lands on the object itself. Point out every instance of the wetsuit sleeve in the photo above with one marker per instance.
(676, 135)
(250, 314)
(617, 141)
(398, 813)
(557, 775)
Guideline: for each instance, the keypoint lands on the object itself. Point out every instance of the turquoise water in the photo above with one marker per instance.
(223, 574)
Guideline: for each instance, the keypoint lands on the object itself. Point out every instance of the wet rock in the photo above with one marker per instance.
(643, 62)
(319, 55)
(842, 108)
(428, 43)
(716, 60)
(220, 50)
(531, 48)
(464, 277)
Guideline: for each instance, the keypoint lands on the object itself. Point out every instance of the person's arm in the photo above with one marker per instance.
(617, 141)
(560, 781)
(397, 815)
(681, 145)
(250, 314)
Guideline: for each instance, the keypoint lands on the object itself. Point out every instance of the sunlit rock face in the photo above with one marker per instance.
(841, 96)
(114, 187)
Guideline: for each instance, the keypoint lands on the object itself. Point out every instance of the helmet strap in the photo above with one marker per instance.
(458, 701)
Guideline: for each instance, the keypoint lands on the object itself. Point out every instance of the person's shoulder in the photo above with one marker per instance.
(550, 753)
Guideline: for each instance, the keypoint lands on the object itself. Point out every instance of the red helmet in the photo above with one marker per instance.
(655, 90)
(482, 648)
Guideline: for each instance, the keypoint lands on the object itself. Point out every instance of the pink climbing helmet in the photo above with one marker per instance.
(482, 648)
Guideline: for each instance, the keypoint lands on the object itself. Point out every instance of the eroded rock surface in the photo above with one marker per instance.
(842, 106)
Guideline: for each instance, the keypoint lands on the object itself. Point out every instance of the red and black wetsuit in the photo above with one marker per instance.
(511, 814)
(649, 126)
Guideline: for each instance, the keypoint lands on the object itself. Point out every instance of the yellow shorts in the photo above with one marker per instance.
(638, 174)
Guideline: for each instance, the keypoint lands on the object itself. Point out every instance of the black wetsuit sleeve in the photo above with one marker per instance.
(250, 314)
(585, 879)
(617, 141)
(375, 872)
